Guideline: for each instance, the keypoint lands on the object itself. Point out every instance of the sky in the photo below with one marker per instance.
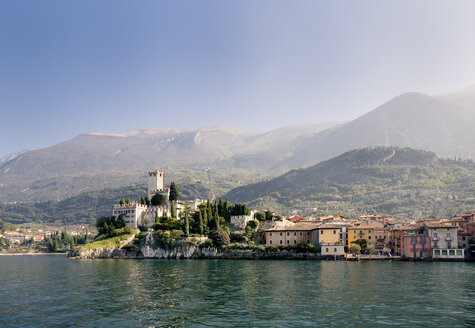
(71, 67)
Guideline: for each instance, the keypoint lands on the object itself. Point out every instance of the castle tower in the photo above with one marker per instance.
(155, 182)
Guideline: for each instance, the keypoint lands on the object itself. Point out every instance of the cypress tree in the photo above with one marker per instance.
(173, 210)
(205, 217)
(157, 219)
(200, 217)
(142, 200)
(174, 194)
(187, 224)
(122, 202)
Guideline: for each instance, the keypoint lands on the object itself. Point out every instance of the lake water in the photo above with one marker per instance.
(52, 291)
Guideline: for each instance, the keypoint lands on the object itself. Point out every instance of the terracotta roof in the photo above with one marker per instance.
(299, 227)
(329, 226)
(363, 227)
(439, 225)
(295, 218)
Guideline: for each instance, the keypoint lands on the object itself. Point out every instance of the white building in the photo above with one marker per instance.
(136, 214)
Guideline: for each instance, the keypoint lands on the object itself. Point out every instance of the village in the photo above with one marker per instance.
(368, 236)
(364, 237)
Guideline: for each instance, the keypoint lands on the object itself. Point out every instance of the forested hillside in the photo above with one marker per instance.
(386, 180)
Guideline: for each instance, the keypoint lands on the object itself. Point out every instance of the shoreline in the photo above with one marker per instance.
(31, 254)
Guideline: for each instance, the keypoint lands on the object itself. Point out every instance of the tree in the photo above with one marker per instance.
(201, 225)
(221, 238)
(120, 222)
(122, 202)
(279, 217)
(157, 219)
(260, 216)
(174, 194)
(370, 249)
(355, 248)
(127, 201)
(147, 200)
(187, 224)
(173, 210)
(386, 250)
(158, 200)
(142, 200)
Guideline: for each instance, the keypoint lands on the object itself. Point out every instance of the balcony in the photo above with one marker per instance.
(435, 238)
(448, 238)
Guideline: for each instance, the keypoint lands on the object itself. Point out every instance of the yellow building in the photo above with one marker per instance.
(329, 234)
(360, 232)
(292, 235)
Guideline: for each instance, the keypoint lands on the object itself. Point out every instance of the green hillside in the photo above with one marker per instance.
(386, 180)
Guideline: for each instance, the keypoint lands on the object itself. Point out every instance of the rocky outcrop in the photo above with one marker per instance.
(186, 248)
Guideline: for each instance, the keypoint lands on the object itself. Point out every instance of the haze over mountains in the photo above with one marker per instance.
(442, 124)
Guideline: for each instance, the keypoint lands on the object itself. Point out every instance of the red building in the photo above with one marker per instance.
(415, 242)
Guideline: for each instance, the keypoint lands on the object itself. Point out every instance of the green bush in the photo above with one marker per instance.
(271, 249)
(220, 238)
(236, 237)
(208, 243)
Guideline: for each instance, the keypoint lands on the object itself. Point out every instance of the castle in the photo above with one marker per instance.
(136, 214)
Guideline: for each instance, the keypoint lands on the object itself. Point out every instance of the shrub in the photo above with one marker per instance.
(272, 249)
(208, 243)
(220, 238)
(236, 237)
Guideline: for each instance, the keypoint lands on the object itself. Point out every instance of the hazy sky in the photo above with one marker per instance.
(69, 67)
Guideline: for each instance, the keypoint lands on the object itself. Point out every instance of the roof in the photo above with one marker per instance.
(299, 227)
(365, 227)
(295, 218)
(329, 226)
(440, 225)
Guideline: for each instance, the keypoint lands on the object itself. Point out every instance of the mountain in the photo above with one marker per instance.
(441, 124)
(389, 180)
(95, 161)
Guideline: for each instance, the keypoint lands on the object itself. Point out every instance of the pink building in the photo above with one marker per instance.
(415, 243)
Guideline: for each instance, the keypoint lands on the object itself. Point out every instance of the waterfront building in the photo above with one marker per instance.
(292, 235)
(442, 235)
(359, 233)
(444, 241)
(332, 249)
(330, 234)
(380, 239)
(415, 242)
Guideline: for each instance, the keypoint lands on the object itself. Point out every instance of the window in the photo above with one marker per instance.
(308, 240)
(270, 242)
(295, 242)
(463, 238)
(435, 234)
(321, 232)
(327, 249)
(271, 234)
(295, 234)
(334, 250)
(287, 233)
(448, 234)
(369, 237)
(281, 242)
(334, 232)
(288, 242)
(281, 233)
(300, 233)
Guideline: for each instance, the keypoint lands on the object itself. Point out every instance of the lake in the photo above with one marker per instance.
(52, 291)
